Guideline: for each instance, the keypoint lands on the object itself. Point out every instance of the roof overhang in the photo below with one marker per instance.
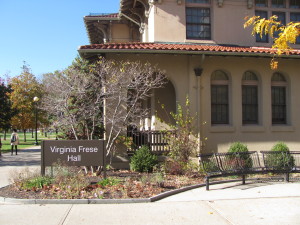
(181, 49)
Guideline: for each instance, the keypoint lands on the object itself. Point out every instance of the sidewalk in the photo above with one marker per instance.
(30, 158)
(230, 203)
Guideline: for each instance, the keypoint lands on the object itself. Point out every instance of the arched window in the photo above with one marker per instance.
(279, 105)
(219, 98)
(250, 98)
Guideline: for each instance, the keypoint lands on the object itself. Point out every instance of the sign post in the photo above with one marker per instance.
(73, 153)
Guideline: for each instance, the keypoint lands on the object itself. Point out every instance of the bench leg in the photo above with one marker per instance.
(244, 179)
(207, 183)
(287, 177)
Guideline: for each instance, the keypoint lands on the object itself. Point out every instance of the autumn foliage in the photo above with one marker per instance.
(284, 35)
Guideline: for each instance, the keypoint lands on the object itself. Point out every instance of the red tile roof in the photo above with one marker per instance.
(179, 48)
(103, 15)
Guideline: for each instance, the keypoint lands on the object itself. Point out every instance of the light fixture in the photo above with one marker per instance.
(220, 3)
(198, 71)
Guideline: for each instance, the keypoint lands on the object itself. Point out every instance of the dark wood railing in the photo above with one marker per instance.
(157, 141)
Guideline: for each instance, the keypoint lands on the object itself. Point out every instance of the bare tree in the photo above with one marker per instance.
(105, 92)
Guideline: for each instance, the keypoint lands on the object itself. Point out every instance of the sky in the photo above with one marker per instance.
(44, 33)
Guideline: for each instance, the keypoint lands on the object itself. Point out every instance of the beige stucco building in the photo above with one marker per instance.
(209, 56)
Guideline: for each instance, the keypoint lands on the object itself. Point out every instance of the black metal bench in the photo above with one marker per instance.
(245, 163)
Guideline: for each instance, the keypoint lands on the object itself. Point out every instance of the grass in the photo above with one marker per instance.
(30, 140)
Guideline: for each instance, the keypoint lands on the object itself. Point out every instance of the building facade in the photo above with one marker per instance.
(209, 56)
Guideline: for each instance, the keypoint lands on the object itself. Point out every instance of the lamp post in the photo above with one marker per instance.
(35, 100)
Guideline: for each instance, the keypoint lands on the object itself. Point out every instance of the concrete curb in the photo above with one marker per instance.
(99, 201)
(112, 201)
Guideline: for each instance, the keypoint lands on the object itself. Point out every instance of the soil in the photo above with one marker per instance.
(130, 185)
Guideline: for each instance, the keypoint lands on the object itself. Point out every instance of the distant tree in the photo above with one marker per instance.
(25, 88)
(285, 34)
(6, 112)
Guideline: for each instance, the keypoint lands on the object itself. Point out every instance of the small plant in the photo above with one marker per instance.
(109, 182)
(143, 160)
(154, 178)
(279, 157)
(37, 182)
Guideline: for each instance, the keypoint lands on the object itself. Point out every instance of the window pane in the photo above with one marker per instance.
(219, 75)
(295, 4)
(295, 17)
(198, 23)
(278, 3)
(250, 104)
(219, 104)
(249, 76)
(281, 19)
(261, 3)
(264, 38)
(278, 105)
(278, 77)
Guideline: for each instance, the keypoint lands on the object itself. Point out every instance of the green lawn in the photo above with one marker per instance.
(30, 141)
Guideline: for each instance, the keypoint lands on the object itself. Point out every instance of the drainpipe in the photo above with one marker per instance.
(198, 72)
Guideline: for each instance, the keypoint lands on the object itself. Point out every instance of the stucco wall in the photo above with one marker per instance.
(167, 23)
(120, 33)
(258, 137)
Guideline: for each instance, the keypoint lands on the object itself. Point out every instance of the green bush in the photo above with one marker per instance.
(237, 147)
(143, 160)
(210, 166)
(239, 157)
(280, 147)
(279, 157)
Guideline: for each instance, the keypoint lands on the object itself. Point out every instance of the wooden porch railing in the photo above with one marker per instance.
(157, 141)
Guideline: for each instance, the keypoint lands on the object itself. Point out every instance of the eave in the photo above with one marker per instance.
(181, 49)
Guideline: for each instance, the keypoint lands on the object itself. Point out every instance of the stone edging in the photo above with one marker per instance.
(99, 201)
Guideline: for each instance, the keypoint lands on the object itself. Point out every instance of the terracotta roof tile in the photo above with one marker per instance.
(182, 47)
(104, 15)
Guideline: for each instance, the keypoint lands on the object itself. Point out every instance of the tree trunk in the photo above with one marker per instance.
(24, 135)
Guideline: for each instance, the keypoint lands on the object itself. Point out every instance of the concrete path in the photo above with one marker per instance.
(231, 203)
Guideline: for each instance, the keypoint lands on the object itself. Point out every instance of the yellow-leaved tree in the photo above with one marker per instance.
(25, 87)
(283, 35)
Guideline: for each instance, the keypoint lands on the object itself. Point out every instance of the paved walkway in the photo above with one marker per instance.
(231, 203)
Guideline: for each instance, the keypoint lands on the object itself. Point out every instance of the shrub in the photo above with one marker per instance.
(280, 147)
(143, 160)
(279, 157)
(239, 157)
(209, 166)
(174, 167)
(183, 145)
(237, 147)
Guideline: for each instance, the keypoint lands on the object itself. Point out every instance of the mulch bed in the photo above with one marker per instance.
(131, 185)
